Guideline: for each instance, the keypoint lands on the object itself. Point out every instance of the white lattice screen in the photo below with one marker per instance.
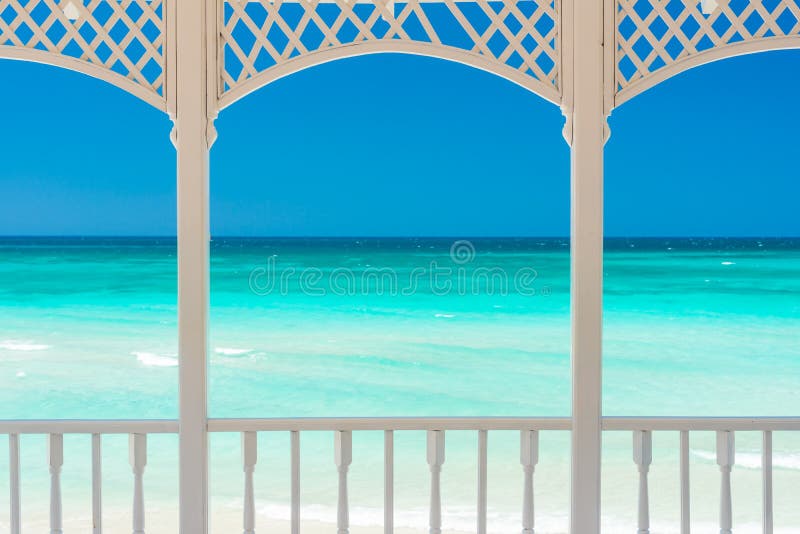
(123, 36)
(652, 34)
(262, 34)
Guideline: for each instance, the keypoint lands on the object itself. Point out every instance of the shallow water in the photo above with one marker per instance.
(358, 327)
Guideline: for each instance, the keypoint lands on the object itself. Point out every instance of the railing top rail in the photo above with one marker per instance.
(88, 426)
(389, 423)
(702, 423)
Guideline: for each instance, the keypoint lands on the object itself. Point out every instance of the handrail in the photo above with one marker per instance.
(389, 423)
(89, 426)
(702, 423)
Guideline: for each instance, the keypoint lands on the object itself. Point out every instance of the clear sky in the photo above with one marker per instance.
(401, 145)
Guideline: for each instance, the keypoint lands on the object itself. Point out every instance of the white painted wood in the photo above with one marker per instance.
(295, 513)
(249, 459)
(643, 456)
(686, 524)
(702, 423)
(388, 482)
(137, 448)
(343, 456)
(725, 460)
(766, 466)
(55, 453)
(191, 139)
(97, 484)
(333, 424)
(587, 118)
(14, 489)
(435, 462)
(528, 457)
(66, 426)
(482, 479)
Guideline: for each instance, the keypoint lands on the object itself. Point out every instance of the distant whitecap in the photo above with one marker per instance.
(727, 263)
(444, 315)
(22, 346)
(155, 360)
(226, 351)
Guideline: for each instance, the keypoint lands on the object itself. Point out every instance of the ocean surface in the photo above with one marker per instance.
(400, 327)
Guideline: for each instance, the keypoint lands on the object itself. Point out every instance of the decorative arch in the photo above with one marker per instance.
(119, 42)
(658, 39)
(94, 71)
(263, 41)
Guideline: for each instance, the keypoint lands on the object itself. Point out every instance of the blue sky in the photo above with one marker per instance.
(401, 145)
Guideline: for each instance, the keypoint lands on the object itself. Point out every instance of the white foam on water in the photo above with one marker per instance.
(25, 346)
(445, 315)
(226, 351)
(150, 359)
(727, 263)
(21, 374)
(752, 460)
(454, 518)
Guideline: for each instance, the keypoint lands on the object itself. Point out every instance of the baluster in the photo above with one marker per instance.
(388, 482)
(55, 451)
(343, 456)
(97, 488)
(249, 459)
(137, 448)
(528, 457)
(13, 470)
(435, 461)
(295, 444)
(725, 460)
(685, 517)
(643, 456)
(483, 436)
(766, 466)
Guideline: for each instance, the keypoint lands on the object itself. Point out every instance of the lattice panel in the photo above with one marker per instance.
(261, 34)
(652, 34)
(123, 36)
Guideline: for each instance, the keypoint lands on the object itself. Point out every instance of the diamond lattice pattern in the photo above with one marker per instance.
(123, 36)
(260, 34)
(652, 34)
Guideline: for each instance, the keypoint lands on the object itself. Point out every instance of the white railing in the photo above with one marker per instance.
(55, 430)
(725, 428)
(436, 428)
(341, 430)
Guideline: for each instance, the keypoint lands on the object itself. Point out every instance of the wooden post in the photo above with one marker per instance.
(435, 462)
(55, 452)
(643, 457)
(725, 460)
(249, 459)
(137, 447)
(584, 107)
(528, 457)
(343, 456)
(192, 101)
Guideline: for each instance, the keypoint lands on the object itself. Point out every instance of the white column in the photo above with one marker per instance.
(249, 459)
(97, 484)
(343, 456)
(191, 137)
(725, 460)
(13, 472)
(435, 462)
(585, 110)
(55, 452)
(528, 457)
(643, 457)
(587, 134)
(137, 450)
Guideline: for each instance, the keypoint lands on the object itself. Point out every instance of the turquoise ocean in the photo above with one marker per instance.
(404, 327)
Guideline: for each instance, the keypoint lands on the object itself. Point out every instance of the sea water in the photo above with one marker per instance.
(405, 327)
